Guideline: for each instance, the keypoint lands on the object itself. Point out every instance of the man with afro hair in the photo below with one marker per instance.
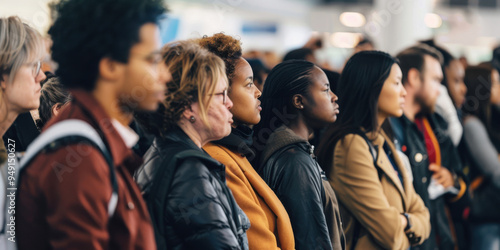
(108, 53)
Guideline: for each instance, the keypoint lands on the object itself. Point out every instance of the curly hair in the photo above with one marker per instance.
(195, 73)
(226, 47)
(86, 31)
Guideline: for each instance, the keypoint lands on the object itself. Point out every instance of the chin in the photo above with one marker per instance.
(148, 107)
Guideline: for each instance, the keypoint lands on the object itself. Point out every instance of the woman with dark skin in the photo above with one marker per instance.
(297, 100)
(270, 225)
(482, 146)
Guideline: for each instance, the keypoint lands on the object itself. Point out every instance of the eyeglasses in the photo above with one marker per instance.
(224, 96)
(36, 68)
(154, 58)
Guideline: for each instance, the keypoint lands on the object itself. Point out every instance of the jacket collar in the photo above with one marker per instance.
(239, 141)
(177, 136)
(385, 165)
(282, 137)
(104, 126)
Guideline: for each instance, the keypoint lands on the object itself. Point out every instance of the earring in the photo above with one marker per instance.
(301, 106)
(192, 119)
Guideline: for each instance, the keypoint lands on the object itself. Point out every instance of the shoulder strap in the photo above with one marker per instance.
(373, 152)
(69, 132)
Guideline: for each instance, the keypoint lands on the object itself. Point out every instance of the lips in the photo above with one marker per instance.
(258, 106)
(160, 95)
(336, 109)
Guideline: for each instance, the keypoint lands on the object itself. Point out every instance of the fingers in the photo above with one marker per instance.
(443, 177)
(434, 167)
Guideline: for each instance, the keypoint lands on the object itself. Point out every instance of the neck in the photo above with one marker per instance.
(380, 120)
(192, 133)
(300, 128)
(7, 118)
(104, 95)
(411, 108)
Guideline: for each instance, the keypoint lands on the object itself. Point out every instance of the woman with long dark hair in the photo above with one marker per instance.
(379, 207)
(296, 100)
(483, 151)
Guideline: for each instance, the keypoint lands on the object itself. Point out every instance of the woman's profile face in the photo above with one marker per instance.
(320, 107)
(244, 95)
(218, 114)
(23, 93)
(455, 74)
(495, 88)
(392, 96)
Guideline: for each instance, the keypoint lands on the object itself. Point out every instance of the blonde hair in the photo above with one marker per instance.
(19, 44)
(195, 73)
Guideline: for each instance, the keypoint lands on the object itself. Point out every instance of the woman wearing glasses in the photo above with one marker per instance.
(190, 205)
(21, 48)
(271, 228)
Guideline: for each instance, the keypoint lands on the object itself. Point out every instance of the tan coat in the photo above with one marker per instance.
(270, 226)
(372, 204)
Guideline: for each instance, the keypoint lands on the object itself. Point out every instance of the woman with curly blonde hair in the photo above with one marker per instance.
(271, 227)
(190, 205)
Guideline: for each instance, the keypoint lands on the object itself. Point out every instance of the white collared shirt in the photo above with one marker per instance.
(126, 133)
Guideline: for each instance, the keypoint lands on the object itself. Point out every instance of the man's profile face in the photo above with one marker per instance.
(431, 77)
(145, 75)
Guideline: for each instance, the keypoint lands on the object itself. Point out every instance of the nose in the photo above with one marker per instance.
(334, 97)
(403, 91)
(41, 76)
(164, 73)
(229, 103)
(258, 93)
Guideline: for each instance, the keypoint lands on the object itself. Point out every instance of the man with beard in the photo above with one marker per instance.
(435, 163)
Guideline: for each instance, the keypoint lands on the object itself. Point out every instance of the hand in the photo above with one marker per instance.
(442, 175)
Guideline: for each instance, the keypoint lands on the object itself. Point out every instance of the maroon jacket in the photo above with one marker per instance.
(63, 195)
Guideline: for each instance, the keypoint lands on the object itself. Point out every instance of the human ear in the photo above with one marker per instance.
(414, 78)
(110, 69)
(298, 101)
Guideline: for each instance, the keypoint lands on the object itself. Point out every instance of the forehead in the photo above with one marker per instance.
(396, 71)
(149, 38)
(432, 66)
(243, 68)
(222, 83)
(318, 77)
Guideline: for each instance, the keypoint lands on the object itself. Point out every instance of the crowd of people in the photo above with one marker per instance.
(131, 144)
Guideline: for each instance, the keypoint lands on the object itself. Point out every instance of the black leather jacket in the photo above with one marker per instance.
(291, 171)
(199, 211)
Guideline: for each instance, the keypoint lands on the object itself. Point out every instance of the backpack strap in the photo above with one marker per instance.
(70, 132)
(373, 152)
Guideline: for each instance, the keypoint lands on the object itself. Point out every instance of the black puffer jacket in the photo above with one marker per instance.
(289, 168)
(199, 211)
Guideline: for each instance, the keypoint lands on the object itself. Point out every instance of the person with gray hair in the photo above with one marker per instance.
(21, 48)
(53, 98)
